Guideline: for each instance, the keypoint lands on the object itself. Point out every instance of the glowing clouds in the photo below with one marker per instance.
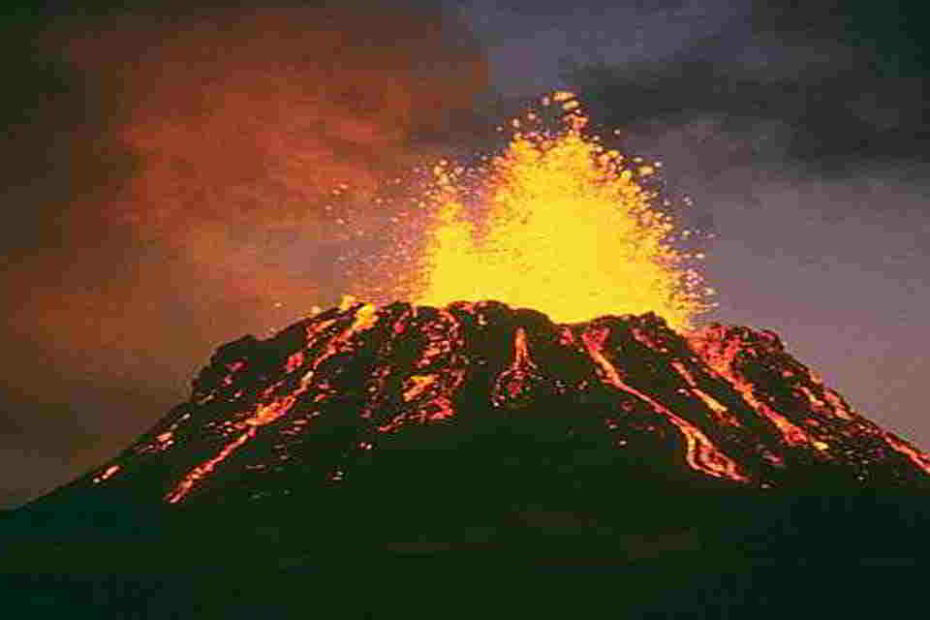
(243, 124)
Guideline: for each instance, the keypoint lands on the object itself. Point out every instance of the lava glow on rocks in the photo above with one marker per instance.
(723, 403)
(567, 230)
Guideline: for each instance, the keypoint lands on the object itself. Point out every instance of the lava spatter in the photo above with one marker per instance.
(501, 231)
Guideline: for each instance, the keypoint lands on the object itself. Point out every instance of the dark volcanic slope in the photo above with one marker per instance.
(702, 472)
(726, 403)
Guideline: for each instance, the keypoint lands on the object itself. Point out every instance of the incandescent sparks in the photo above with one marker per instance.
(568, 229)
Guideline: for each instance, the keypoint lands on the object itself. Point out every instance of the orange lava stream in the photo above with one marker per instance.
(511, 382)
(417, 385)
(365, 317)
(189, 480)
(521, 356)
(720, 361)
(721, 413)
(570, 231)
(701, 454)
(920, 459)
(107, 473)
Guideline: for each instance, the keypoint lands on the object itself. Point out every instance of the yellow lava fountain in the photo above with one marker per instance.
(568, 230)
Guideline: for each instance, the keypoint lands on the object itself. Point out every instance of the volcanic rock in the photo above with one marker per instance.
(609, 465)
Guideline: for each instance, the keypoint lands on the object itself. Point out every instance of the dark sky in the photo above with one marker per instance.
(166, 175)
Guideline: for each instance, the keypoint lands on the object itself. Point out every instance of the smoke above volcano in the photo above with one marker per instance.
(178, 166)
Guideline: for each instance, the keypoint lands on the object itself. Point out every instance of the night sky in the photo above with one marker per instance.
(167, 179)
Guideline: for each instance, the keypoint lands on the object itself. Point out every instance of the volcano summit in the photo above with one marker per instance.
(686, 474)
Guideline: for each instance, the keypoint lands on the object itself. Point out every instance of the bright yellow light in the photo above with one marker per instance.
(569, 232)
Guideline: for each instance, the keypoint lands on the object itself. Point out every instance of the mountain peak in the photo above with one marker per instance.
(724, 402)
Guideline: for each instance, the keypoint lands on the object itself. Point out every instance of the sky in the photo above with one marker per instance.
(168, 179)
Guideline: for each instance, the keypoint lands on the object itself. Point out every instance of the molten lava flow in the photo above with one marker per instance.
(267, 413)
(569, 231)
(517, 380)
(202, 470)
(920, 459)
(107, 473)
(700, 453)
(719, 354)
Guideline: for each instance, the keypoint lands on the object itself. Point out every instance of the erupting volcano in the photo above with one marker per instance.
(544, 405)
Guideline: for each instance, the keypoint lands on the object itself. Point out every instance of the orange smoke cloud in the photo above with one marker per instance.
(206, 138)
(252, 117)
(241, 124)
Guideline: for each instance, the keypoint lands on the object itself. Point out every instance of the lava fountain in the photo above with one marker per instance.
(562, 225)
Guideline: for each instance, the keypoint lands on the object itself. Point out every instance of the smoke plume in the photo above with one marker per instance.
(175, 181)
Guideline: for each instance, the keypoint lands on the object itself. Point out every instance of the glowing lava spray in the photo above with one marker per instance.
(567, 229)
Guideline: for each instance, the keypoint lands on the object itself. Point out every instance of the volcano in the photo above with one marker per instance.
(411, 460)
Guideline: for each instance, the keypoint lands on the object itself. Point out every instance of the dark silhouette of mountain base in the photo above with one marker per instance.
(421, 462)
